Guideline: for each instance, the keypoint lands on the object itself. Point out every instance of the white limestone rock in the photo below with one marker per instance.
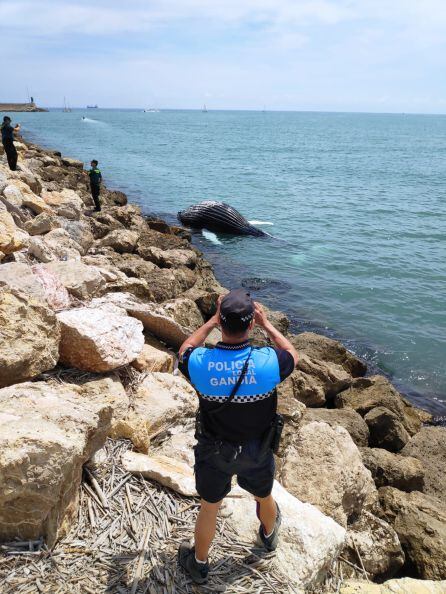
(172, 322)
(80, 280)
(47, 432)
(99, 339)
(162, 400)
(170, 473)
(29, 337)
(309, 540)
(323, 466)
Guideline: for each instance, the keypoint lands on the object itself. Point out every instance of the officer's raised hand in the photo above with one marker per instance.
(275, 336)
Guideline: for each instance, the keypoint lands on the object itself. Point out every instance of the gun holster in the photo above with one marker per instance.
(271, 438)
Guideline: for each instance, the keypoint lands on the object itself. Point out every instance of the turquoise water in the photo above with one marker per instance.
(357, 203)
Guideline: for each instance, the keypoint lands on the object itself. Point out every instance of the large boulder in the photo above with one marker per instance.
(99, 339)
(20, 194)
(129, 216)
(326, 349)
(153, 359)
(120, 240)
(79, 231)
(35, 281)
(313, 381)
(69, 162)
(323, 466)
(397, 586)
(107, 391)
(66, 203)
(55, 245)
(42, 223)
(177, 442)
(169, 472)
(12, 238)
(393, 470)
(370, 392)
(420, 522)
(372, 544)
(29, 337)
(349, 419)
(47, 432)
(26, 175)
(163, 241)
(81, 281)
(309, 541)
(386, 431)
(429, 447)
(172, 322)
(131, 265)
(171, 258)
(160, 401)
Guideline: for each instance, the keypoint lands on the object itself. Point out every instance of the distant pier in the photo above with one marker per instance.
(20, 107)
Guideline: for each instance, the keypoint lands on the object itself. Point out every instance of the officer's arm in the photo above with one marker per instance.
(276, 337)
(198, 337)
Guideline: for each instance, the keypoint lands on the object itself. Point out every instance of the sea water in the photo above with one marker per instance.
(355, 205)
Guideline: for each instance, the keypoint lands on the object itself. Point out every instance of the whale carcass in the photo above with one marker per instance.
(217, 216)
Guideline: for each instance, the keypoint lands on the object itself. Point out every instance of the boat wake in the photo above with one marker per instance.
(91, 121)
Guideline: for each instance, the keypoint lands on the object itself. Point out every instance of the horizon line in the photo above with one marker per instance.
(197, 109)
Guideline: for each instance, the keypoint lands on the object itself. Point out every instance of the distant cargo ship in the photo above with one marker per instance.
(92, 106)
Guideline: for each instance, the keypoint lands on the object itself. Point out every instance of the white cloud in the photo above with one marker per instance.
(286, 53)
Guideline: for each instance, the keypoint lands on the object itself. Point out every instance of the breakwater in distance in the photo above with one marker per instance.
(21, 107)
(361, 226)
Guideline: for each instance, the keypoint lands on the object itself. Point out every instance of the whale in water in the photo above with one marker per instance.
(217, 216)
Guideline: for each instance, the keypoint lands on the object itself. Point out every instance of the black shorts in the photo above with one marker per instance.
(214, 470)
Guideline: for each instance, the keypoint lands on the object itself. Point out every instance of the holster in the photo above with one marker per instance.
(271, 438)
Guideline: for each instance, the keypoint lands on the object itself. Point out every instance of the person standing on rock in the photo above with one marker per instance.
(8, 142)
(95, 183)
(237, 428)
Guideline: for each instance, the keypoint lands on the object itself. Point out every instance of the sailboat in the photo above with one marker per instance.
(204, 108)
(66, 107)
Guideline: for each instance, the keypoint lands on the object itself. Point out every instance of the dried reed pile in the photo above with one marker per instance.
(125, 542)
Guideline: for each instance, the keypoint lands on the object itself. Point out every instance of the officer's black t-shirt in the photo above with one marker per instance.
(239, 422)
(95, 176)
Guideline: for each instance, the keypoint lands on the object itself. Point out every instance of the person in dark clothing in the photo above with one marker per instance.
(8, 142)
(237, 419)
(95, 183)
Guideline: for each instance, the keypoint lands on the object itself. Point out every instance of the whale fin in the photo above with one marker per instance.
(211, 236)
(260, 223)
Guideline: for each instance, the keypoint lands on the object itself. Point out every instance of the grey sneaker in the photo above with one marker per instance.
(270, 542)
(186, 558)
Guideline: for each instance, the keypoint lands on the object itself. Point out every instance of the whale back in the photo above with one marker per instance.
(217, 216)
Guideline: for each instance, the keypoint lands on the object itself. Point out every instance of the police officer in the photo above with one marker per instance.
(95, 183)
(8, 142)
(237, 420)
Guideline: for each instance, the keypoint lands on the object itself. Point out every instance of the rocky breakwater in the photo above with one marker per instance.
(92, 309)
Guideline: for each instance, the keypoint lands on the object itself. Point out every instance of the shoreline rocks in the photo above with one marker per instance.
(91, 303)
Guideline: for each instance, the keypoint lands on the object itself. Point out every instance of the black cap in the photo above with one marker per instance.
(237, 305)
(6, 118)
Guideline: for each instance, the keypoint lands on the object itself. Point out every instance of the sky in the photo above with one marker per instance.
(323, 55)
